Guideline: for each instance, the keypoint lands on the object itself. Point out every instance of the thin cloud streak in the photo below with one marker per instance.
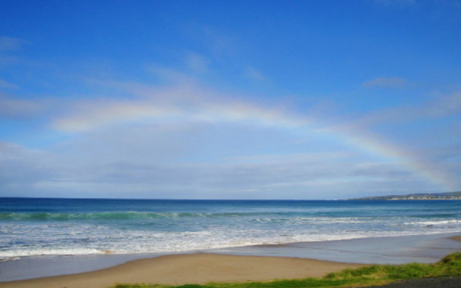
(10, 43)
(438, 107)
(7, 85)
(385, 82)
(13, 108)
(253, 74)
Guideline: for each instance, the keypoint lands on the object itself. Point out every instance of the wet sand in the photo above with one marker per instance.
(254, 263)
(193, 268)
(457, 238)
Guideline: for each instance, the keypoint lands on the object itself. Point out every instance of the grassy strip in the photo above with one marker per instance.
(449, 266)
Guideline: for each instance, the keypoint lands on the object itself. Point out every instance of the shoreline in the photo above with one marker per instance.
(191, 269)
(229, 265)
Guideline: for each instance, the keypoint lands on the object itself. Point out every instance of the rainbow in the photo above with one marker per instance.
(378, 146)
(205, 110)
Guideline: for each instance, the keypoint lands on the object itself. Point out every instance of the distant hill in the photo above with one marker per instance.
(420, 196)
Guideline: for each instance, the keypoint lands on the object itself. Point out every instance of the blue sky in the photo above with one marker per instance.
(229, 99)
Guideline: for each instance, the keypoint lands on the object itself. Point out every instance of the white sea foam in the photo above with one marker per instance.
(192, 241)
(16, 254)
(439, 222)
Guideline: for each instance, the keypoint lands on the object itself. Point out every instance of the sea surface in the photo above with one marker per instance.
(56, 227)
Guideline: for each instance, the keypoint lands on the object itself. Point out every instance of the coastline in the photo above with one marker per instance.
(253, 263)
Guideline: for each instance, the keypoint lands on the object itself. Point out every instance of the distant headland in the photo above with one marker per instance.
(419, 196)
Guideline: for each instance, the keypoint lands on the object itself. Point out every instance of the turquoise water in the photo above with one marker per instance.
(37, 227)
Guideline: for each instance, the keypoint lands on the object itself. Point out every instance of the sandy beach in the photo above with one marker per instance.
(193, 268)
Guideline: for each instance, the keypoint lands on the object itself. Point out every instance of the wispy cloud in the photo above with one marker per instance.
(7, 85)
(385, 82)
(254, 74)
(439, 107)
(164, 74)
(445, 105)
(20, 168)
(10, 44)
(197, 63)
(400, 3)
(13, 108)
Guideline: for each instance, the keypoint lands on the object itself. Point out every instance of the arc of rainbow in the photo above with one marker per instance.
(246, 113)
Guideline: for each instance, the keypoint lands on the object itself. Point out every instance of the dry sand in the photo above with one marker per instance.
(190, 269)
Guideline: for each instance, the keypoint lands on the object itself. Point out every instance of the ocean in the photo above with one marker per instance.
(56, 227)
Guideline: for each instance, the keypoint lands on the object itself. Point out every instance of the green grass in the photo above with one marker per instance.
(449, 266)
